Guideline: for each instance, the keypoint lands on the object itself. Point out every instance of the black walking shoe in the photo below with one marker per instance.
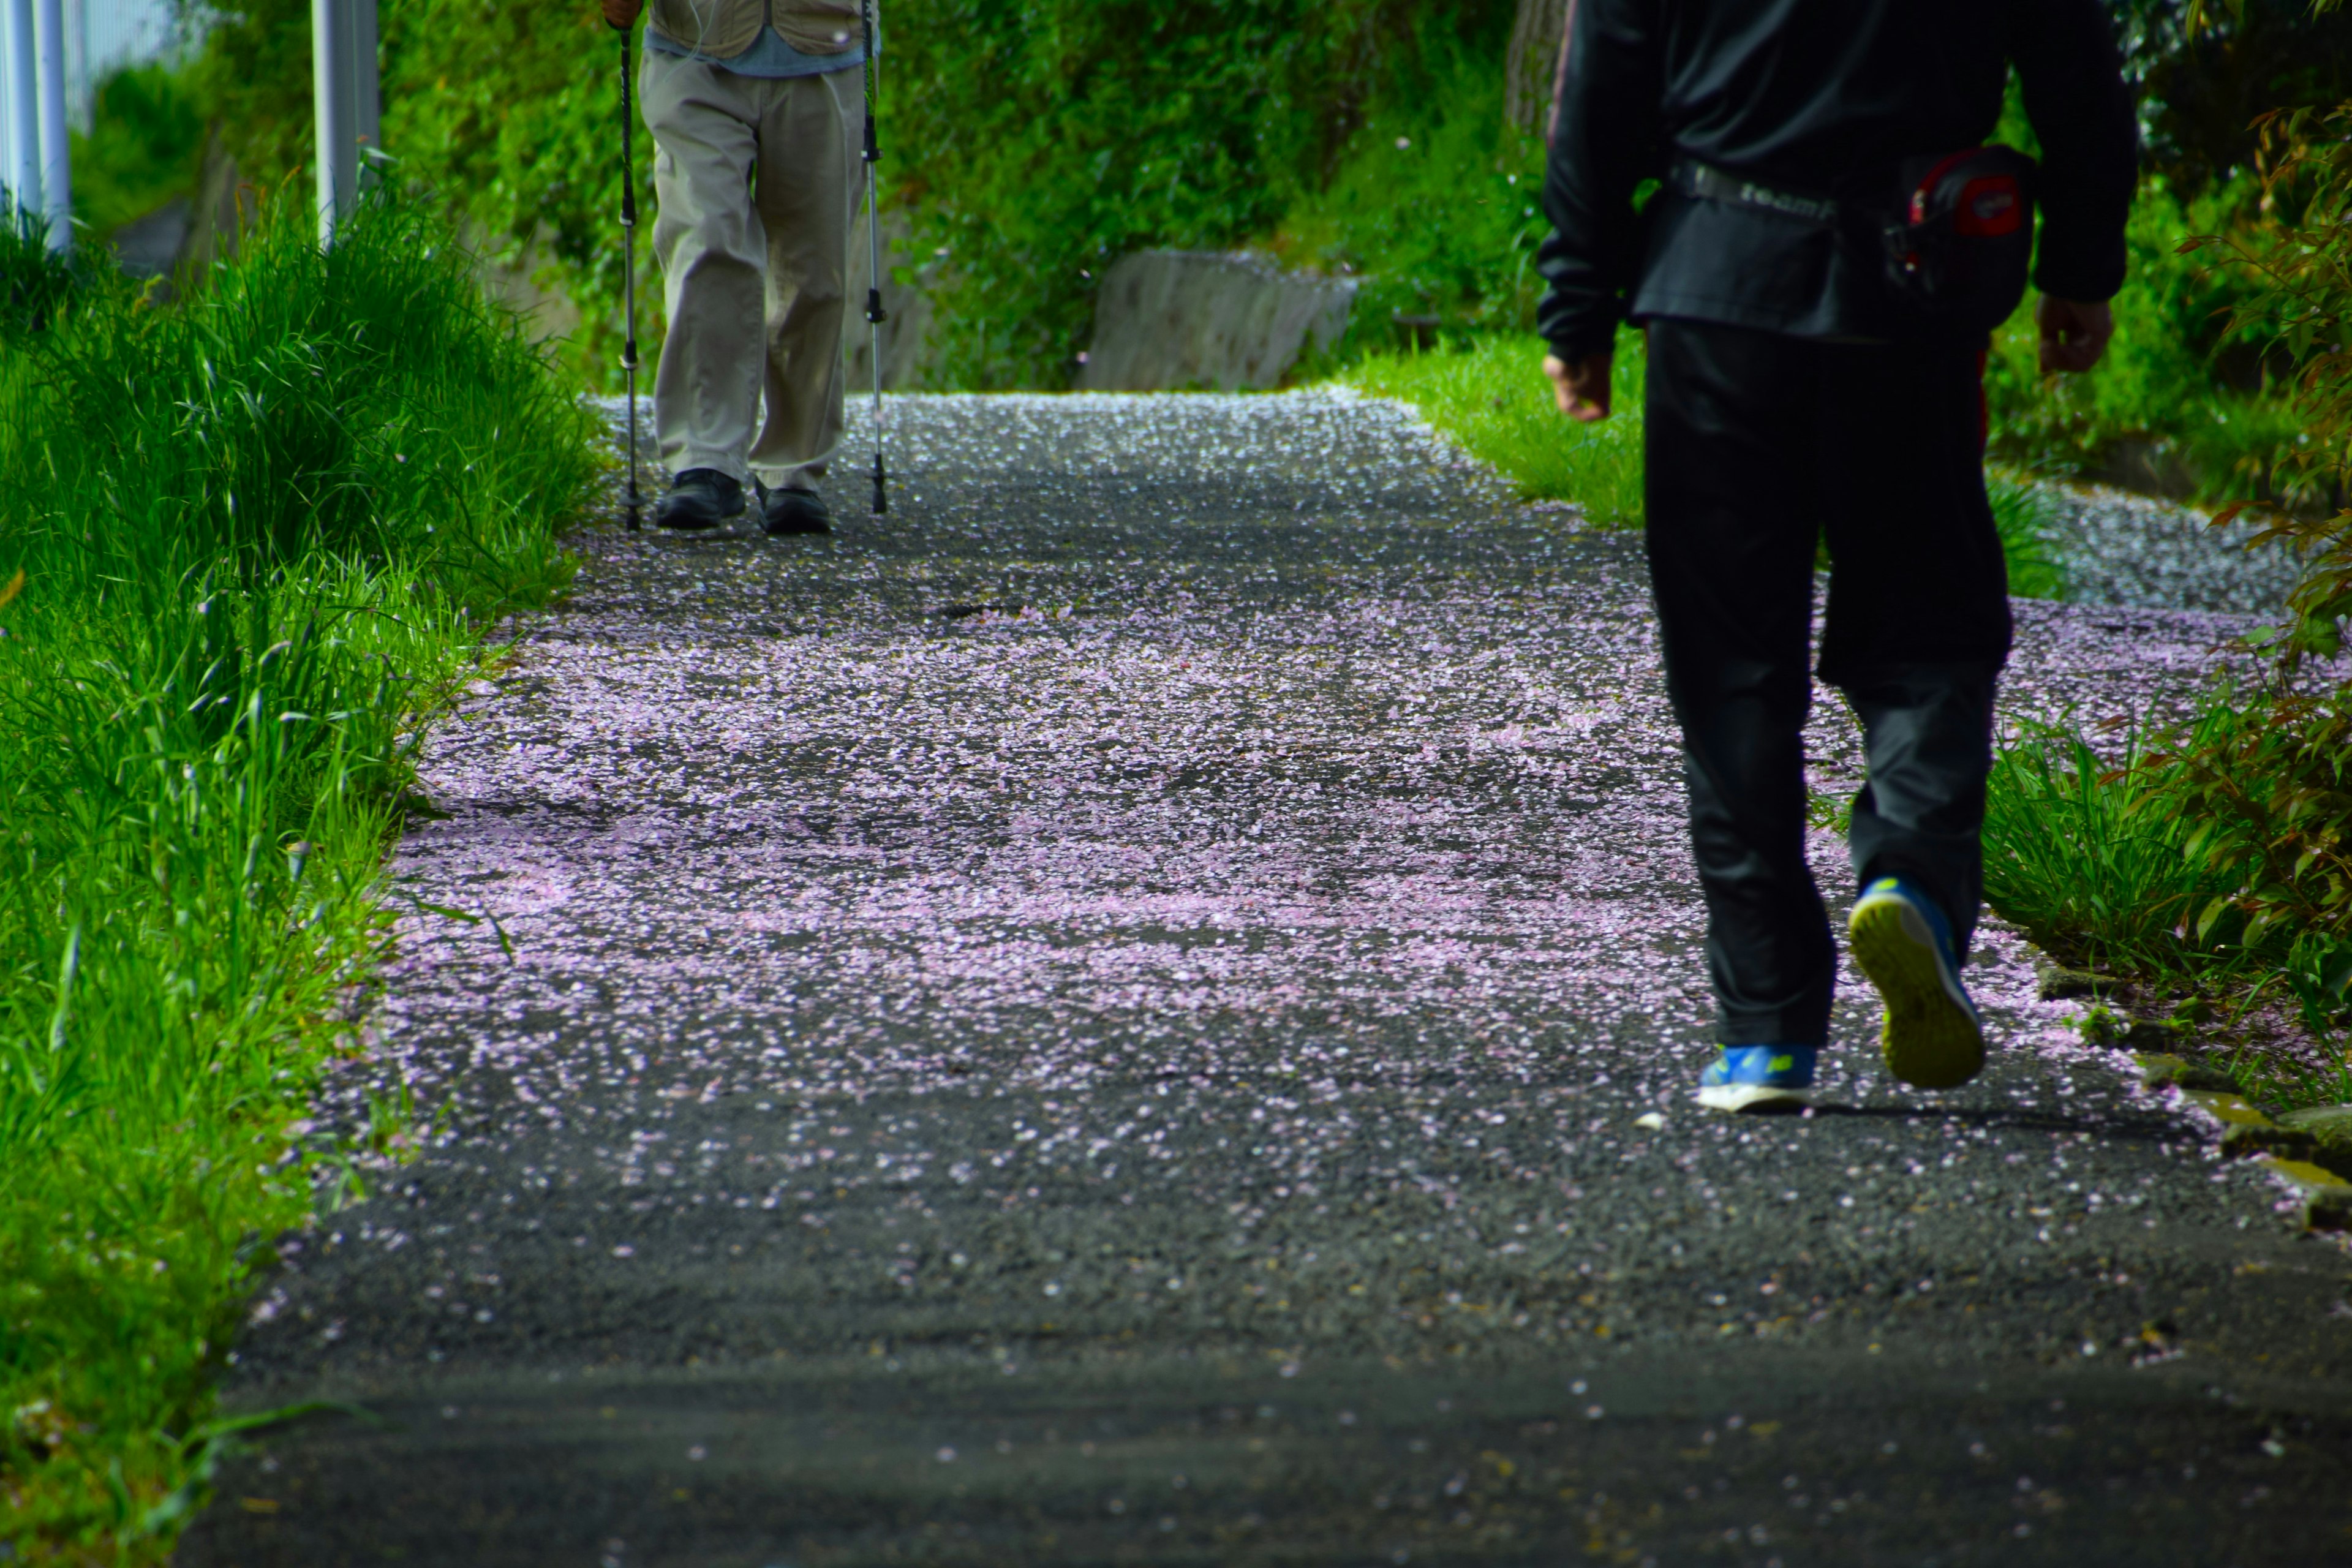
(698, 499)
(787, 510)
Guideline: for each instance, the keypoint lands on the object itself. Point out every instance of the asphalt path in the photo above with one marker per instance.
(1142, 1009)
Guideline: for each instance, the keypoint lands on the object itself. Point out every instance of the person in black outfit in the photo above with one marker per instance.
(1793, 392)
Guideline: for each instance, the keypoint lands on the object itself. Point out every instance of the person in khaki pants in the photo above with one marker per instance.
(755, 108)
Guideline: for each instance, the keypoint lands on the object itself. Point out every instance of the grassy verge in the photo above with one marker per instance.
(1488, 393)
(249, 547)
(2193, 877)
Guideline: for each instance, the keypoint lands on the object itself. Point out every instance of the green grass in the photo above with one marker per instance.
(2073, 855)
(231, 601)
(2022, 512)
(1490, 396)
(2107, 862)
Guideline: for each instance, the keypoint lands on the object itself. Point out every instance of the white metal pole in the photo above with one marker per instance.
(56, 162)
(23, 174)
(330, 98)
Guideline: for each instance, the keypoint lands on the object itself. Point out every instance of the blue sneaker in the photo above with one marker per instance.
(1758, 1077)
(1932, 1036)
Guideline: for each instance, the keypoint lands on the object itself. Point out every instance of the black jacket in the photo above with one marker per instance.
(1815, 96)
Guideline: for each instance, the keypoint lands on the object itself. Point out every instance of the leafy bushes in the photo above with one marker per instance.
(2183, 379)
(2237, 827)
(246, 547)
(1437, 205)
(146, 132)
(2217, 858)
(1046, 140)
(1031, 142)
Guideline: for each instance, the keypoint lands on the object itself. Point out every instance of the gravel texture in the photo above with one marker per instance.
(2138, 552)
(1142, 1009)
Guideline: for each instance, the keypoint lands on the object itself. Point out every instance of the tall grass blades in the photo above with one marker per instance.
(34, 280)
(1490, 394)
(2023, 515)
(250, 542)
(2075, 856)
(2217, 861)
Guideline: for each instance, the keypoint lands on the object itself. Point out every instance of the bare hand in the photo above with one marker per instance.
(1581, 389)
(622, 13)
(2073, 334)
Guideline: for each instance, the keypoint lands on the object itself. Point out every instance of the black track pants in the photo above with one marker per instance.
(1757, 445)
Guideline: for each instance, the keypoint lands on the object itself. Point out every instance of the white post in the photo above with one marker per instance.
(330, 96)
(56, 162)
(23, 173)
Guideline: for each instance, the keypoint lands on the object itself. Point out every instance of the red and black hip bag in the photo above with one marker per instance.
(1958, 240)
(1962, 245)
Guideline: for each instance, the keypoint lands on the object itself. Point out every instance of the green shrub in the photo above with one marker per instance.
(2023, 515)
(146, 135)
(2301, 274)
(2167, 380)
(2218, 857)
(1437, 207)
(2262, 791)
(227, 604)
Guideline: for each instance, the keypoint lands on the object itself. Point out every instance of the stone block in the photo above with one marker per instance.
(2326, 1197)
(2056, 982)
(2239, 1139)
(2153, 1034)
(2228, 1108)
(1166, 320)
(2332, 1122)
(150, 246)
(2162, 1071)
(2330, 1129)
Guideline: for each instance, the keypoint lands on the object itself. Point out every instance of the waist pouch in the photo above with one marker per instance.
(1961, 248)
(1957, 241)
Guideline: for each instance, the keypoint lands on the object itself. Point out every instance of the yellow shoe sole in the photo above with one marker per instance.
(1929, 1040)
(1752, 1098)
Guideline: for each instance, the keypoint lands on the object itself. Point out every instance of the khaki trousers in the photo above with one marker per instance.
(757, 183)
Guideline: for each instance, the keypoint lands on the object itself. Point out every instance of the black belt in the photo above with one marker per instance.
(1709, 183)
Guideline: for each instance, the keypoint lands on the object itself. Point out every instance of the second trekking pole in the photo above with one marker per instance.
(875, 314)
(629, 276)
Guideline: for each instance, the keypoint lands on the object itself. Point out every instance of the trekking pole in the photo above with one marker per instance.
(629, 277)
(875, 314)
